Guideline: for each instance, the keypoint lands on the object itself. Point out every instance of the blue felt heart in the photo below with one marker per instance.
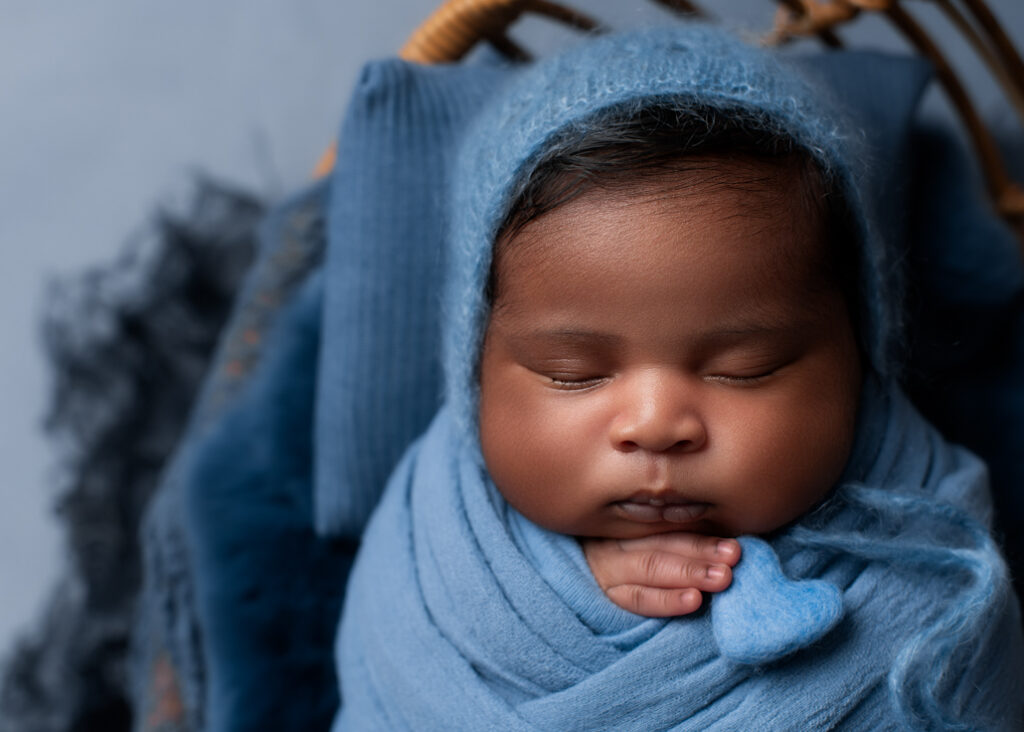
(764, 615)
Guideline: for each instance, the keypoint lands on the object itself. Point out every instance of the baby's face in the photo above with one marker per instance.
(666, 361)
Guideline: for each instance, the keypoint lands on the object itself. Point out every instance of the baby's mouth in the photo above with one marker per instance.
(648, 508)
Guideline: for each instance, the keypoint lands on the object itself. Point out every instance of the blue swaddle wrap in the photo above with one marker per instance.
(460, 614)
(456, 620)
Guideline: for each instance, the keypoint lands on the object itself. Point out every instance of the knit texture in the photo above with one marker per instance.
(568, 94)
(454, 619)
(765, 615)
(268, 589)
(379, 368)
(265, 590)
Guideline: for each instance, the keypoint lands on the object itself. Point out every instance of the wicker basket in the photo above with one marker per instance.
(459, 25)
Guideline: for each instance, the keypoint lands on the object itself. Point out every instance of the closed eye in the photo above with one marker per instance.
(741, 380)
(748, 378)
(575, 383)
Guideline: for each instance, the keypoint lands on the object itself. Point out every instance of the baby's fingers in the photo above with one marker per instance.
(655, 602)
(695, 546)
(613, 567)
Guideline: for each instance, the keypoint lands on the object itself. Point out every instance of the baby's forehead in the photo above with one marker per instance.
(746, 200)
(600, 247)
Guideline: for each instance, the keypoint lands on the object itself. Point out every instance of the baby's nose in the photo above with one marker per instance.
(660, 414)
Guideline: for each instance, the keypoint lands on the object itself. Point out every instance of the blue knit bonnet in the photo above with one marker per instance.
(685, 66)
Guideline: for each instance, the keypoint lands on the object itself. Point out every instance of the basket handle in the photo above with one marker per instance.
(452, 30)
(458, 25)
(990, 42)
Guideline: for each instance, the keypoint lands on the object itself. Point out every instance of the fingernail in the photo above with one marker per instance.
(724, 547)
(716, 572)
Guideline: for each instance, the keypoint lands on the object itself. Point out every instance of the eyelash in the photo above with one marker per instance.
(742, 380)
(584, 383)
(576, 384)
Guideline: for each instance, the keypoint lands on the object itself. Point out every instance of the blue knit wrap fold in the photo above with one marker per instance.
(460, 616)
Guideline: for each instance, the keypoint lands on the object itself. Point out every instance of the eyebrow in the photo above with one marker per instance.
(572, 335)
(756, 327)
(741, 328)
(735, 333)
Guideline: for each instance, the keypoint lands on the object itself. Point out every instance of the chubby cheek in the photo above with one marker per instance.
(783, 459)
(535, 452)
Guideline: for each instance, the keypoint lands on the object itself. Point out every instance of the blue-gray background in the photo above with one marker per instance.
(109, 107)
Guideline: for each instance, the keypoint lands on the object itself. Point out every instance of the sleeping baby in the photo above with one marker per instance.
(669, 335)
(659, 316)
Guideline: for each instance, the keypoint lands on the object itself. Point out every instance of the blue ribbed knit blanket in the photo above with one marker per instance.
(461, 615)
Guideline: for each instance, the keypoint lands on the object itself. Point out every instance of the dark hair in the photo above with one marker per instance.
(664, 144)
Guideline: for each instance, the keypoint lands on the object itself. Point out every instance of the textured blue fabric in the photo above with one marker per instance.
(879, 95)
(966, 353)
(268, 590)
(454, 620)
(460, 616)
(379, 374)
(765, 616)
(219, 510)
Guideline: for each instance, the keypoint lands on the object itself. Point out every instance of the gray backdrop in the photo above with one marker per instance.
(108, 107)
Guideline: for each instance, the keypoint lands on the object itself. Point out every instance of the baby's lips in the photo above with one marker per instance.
(681, 513)
(651, 513)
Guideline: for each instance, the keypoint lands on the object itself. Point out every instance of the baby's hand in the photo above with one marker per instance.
(661, 575)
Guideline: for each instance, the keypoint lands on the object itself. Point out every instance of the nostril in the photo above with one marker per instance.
(659, 432)
(656, 446)
(678, 446)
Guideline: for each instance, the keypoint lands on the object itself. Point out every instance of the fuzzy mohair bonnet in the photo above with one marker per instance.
(686, 66)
